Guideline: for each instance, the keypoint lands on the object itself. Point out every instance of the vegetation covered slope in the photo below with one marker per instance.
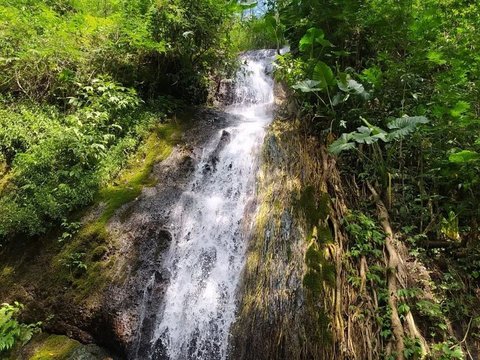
(392, 88)
(82, 83)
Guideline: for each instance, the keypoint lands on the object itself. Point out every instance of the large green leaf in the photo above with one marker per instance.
(346, 84)
(323, 74)
(341, 144)
(312, 37)
(404, 126)
(307, 86)
(464, 156)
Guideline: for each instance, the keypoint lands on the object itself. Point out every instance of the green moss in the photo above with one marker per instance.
(323, 206)
(6, 272)
(324, 236)
(314, 210)
(313, 257)
(99, 252)
(54, 347)
(308, 205)
(328, 273)
(325, 335)
(128, 186)
(313, 282)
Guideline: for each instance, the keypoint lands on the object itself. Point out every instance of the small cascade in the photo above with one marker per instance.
(207, 253)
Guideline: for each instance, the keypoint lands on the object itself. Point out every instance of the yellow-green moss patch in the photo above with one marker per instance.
(54, 347)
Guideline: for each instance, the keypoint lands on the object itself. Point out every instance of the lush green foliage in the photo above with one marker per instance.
(12, 331)
(349, 65)
(367, 237)
(264, 32)
(398, 82)
(83, 83)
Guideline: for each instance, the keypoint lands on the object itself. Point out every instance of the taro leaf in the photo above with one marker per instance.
(357, 88)
(343, 81)
(363, 136)
(307, 86)
(368, 135)
(341, 144)
(312, 37)
(464, 156)
(339, 98)
(348, 85)
(404, 126)
(323, 74)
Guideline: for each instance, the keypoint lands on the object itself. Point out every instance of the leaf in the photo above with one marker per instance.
(307, 86)
(372, 75)
(436, 57)
(340, 98)
(312, 37)
(323, 74)
(464, 156)
(343, 143)
(460, 108)
(403, 308)
(346, 84)
(404, 126)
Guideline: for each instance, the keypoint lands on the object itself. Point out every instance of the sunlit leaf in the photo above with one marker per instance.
(436, 57)
(312, 37)
(464, 156)
(460, 109)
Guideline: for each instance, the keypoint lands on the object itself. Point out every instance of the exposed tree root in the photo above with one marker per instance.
(395, 270)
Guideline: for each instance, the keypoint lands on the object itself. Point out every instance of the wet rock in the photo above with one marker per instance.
(224, 94)
(211, 165)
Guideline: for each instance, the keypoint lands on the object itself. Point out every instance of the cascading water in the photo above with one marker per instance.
(207, 253)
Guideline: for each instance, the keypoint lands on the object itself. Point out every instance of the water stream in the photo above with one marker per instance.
(207, 254)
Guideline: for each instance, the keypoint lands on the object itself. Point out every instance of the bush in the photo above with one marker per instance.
(12, 331)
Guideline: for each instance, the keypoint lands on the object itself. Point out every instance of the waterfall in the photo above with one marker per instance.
(207, 254)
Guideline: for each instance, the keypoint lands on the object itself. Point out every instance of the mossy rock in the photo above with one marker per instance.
(55, 347)
(58, 347)
(313, 282)
(313, 258)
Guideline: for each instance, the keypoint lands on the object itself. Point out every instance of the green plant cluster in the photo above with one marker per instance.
(393, 88)
(83, 83)
(12, 332)
(367, 238)
(363, 64)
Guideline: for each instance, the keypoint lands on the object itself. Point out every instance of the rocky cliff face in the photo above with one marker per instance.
(141, 228)
(287, 300)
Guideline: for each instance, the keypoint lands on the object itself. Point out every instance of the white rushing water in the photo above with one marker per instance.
(207, 254)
